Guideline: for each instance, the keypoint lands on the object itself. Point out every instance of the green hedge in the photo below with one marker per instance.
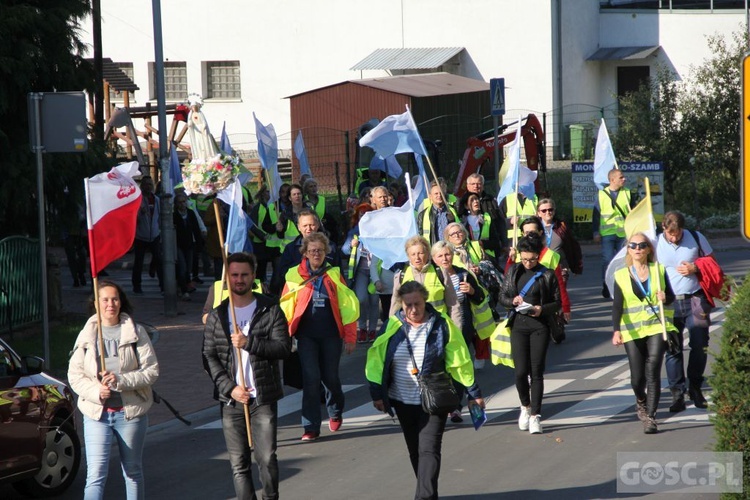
(731, 383)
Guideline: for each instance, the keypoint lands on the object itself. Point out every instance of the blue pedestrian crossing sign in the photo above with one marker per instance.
(497, 96)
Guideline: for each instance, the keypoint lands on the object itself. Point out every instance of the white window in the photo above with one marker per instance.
(175, 80)
(127, 68)
(222, 80)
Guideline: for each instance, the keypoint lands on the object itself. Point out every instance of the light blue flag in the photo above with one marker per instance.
(225, 146)
(301, 154)
(604, 157)
(518, 175)
(175, 170)
(420, 191)
(268, 154)
(395, 134)
(384, 232)
(236, 238)
(388, 165)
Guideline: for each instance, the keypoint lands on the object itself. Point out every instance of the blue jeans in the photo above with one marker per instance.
(611, 244)
(263, 425)
(319, 358)
(693, 313)
(130, 436)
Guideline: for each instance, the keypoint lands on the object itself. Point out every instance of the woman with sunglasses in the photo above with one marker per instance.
(639, 287)
(322, 312)
(532, 292)
(559, 237)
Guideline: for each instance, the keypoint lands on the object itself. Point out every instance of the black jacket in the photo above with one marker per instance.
(549, 291)
(268, 342)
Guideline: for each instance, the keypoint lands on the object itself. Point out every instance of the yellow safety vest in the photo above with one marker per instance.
(347, 300)
(514, 209)
(290, 234)
(273, 240)
(320, 207)
(473, 250)
(500, 345)
(221, 293)
(612, 221)
(481, 317)
(638, 319)
(427, 227)
(435, 289)
(457, 357)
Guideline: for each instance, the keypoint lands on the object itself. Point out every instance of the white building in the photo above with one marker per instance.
(567, 58)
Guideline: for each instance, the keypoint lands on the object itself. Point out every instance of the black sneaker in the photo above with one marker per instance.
(605, 291)
(678, 401)
(696, 395)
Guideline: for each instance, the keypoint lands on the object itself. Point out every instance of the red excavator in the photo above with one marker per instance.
(480, 150)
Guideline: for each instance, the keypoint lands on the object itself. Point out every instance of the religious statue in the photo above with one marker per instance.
(202, 144)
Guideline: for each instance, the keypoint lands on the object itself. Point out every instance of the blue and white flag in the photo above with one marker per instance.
(395, 134)
(519, 177)
(236, 238)
(301, 154)
(384, 232)
(604, 157)
(268, 154)
(388, 165)
(175, 170)
(225, 146)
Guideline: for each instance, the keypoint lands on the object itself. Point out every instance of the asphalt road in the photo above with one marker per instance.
(588, 416)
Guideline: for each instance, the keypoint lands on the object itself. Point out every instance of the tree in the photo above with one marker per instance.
(692, 126)
(40, 51)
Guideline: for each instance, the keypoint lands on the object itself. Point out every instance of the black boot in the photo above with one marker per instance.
(678, 401)
(696, 395)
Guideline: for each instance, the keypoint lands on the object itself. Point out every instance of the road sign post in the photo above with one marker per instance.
(497, 109)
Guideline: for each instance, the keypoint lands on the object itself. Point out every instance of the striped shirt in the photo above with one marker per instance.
(405, 387)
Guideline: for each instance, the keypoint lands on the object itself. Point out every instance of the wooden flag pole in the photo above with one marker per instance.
(100, 335)
(238, 352)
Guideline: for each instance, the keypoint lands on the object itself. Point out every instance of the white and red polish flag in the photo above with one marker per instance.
(112, 202)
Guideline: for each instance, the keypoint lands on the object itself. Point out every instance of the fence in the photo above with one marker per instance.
(20, 282)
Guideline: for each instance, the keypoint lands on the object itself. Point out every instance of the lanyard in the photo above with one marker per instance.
(548, 232)
(647, 290)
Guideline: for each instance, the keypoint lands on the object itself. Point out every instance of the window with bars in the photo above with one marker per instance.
(222, 80)
(127, 68)
(175, 80)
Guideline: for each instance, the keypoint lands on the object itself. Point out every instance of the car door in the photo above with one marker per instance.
(20, 446)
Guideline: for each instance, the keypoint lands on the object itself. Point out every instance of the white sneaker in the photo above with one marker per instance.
(523, 418)
(478, 364)
(535, 424)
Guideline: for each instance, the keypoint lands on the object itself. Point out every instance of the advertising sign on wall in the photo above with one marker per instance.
(585, 192)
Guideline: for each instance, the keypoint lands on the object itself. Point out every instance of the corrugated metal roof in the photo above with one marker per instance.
(388, 59)
(622, 53)
(115, 77)
(427, 85)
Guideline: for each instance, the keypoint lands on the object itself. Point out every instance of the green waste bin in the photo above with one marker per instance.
(580, 141)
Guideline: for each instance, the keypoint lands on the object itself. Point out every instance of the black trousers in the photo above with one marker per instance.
(645, 356)
(424, 439)
(140, 247)
(529, 350)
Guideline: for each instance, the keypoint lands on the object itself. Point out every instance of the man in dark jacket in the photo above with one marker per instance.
(262, 339)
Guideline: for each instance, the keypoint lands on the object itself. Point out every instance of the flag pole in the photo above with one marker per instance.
(647, 185)
(238, 352)
(94, 274)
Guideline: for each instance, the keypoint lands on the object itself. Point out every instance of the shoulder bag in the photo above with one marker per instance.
(436, 390)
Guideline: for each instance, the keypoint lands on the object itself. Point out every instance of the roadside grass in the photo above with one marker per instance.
(29, 341)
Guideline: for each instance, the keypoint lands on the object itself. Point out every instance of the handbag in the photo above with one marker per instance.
(436, 390)
(557, 328)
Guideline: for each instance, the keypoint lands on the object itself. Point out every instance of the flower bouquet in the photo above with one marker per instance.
(211, 176)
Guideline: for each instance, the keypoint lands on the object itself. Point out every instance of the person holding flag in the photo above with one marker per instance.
(639, 320)
(612, 205)
(113, 364)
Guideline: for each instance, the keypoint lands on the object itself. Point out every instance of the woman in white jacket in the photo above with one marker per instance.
(114, 398)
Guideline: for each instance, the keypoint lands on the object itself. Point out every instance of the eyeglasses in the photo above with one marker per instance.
(529, 261)
(316, 251)
(455, 234)
(640, 246)
(547, 210)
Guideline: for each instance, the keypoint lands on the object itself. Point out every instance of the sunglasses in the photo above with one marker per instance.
(640, 246)
(547, 210)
